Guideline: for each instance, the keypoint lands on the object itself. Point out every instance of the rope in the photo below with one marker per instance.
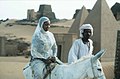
(48, 71)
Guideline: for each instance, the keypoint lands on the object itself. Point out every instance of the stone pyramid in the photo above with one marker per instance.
(105, 29)
(80, 18)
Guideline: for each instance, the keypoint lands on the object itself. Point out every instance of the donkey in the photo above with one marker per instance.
(85, 68)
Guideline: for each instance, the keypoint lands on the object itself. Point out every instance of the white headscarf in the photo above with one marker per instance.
(40, 25)
(85, 26)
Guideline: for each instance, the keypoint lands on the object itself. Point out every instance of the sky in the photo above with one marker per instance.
(63, 9)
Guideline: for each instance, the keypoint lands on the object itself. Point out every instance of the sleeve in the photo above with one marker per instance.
(54, 48)
(58, 61)
(73, 53)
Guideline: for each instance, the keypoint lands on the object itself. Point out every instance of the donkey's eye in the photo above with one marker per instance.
(99, 69)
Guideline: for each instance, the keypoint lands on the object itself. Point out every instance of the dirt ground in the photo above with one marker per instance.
(12, 67)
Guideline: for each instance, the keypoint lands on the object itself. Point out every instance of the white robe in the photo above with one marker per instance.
(79, 49)
(43, 45)
(43, 42)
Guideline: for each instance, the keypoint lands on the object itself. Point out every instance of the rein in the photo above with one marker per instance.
(49, 68)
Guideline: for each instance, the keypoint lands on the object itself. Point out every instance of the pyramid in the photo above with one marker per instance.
(105, 29)
(80, 18)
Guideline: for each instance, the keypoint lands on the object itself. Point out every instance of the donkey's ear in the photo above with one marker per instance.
(98, 55)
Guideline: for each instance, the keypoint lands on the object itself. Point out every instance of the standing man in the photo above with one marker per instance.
(83, 46)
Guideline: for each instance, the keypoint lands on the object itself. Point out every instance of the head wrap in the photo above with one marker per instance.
(85, 26)
(40, 25)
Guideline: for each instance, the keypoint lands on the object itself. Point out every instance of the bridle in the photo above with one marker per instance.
(93, 70)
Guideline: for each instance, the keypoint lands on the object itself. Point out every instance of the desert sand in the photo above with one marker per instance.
(12, 67)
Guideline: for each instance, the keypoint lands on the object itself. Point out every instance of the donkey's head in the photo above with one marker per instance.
(96, 71)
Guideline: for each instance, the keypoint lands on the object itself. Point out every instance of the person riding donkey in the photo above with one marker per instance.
(43, 49)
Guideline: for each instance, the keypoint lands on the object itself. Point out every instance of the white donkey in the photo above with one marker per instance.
(84, 68)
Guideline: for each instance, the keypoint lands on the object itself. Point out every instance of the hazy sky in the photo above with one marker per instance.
(17, 9)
